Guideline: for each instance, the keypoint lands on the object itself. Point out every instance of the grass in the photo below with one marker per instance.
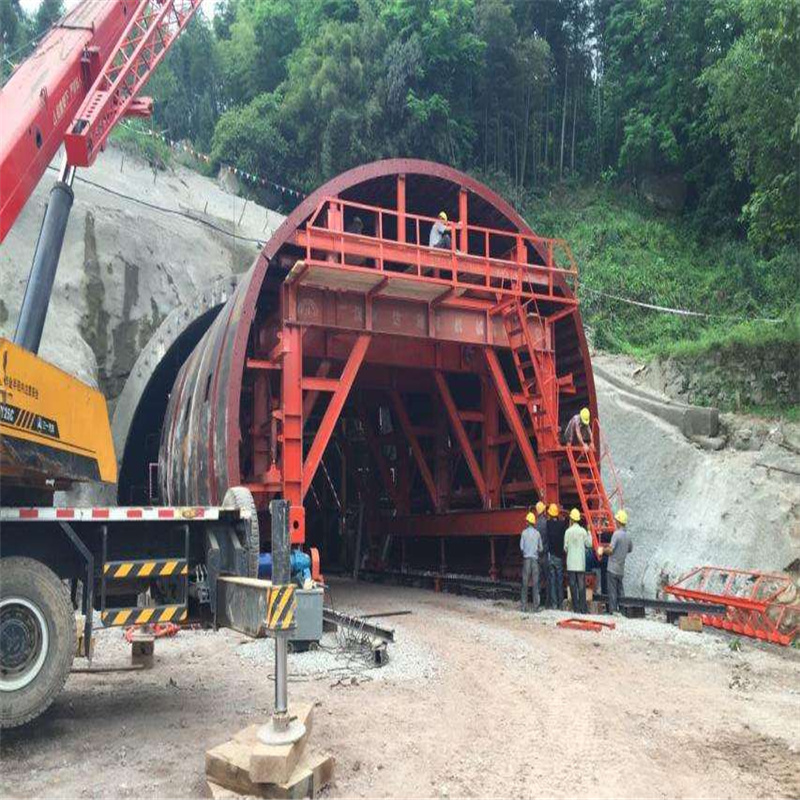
(626, 248)
(132, 137)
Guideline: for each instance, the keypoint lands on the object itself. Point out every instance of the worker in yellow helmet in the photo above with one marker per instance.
(440, 233)
(556, 528)
(579, 430)
(576, 540)
(617, 552)
(530, 544)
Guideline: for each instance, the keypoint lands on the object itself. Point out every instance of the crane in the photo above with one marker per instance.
(83, 77)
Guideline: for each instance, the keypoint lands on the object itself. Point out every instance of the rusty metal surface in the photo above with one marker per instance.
(201, 436)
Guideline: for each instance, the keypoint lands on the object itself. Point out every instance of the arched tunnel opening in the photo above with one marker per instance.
(137, 483)
(406, 394)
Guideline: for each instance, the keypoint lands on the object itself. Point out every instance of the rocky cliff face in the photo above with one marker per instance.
(139, 242)
(696, 502)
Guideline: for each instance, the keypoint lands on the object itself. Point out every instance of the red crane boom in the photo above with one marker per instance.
(83, 77)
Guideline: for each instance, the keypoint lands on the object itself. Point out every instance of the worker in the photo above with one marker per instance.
(556, 528)
(530, 544)
(440, 234)
(355, 226)
(617, 552)
(576, 540)
(541, 526)
(579, 430)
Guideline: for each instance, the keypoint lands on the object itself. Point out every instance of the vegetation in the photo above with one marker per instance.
(626, 248)
(574, 109)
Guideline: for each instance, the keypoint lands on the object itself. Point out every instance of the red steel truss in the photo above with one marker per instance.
(372, 284)
(153, 26)
(417, 393)
(761, 605)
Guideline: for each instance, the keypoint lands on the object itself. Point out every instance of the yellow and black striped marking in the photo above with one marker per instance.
(281, 609)
(143, 616)
(117, 570)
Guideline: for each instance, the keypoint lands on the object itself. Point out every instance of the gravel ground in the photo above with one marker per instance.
(478, 700)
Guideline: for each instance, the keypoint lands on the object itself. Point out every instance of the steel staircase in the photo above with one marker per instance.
(534, 359)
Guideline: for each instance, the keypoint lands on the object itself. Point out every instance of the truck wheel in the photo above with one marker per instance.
(240, 497)
(37, 639)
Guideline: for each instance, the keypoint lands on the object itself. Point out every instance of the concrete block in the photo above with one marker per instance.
(143, 648)
(693, 624)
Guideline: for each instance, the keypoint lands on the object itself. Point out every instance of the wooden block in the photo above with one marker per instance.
(693, 624)
(308, 779)
(143, 648)
(244, 762)
(275, 763)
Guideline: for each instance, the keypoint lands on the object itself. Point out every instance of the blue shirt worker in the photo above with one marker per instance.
(530, 543)
(576, 540)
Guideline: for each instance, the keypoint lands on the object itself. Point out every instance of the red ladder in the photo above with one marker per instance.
(535, 368)
(534, 362)
(592, 494)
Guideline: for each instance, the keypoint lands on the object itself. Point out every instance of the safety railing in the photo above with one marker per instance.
(492, 260)
(611, 477)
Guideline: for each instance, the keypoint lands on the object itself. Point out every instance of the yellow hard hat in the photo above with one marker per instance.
(552, 510)
(585, 416)
(621, 516)
(575, 515)
(540, 507)
(443, 216)
(530, 517)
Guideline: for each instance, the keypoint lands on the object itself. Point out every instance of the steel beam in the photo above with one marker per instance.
(461, 436)
(334, 409)
(408, 431)
(513, 418)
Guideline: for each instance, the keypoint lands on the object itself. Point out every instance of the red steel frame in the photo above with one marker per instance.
(761, 605)
(338, 302)
(82, 79)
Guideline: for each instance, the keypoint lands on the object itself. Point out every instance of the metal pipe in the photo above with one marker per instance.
(281, 676)
(32, 315)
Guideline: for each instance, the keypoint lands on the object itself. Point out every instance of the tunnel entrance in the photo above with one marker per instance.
(403, 392)
(138, 480)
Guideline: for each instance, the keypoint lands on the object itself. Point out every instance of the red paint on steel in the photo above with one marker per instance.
(761, 605)
(151, 28)
(424, 313)
(40, 99)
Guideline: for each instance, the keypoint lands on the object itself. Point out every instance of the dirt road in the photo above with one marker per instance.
(477, 701)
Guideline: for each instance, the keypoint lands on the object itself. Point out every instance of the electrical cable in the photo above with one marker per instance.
(161, 209)
(679, 311)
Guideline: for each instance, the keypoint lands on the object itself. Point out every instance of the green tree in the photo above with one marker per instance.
(755, 101)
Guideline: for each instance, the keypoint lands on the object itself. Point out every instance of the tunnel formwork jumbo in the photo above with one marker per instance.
(408, 400)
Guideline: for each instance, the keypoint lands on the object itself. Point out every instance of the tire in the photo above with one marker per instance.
(240, 497)
(37, 639)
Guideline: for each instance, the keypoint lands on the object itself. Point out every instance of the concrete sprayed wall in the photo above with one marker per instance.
(691, 506)
(126, 265)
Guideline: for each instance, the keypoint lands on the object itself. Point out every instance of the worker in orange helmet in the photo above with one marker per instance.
(541, 526)
(440, 233)
(530, 544)
(556, 528)
(579, 430)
